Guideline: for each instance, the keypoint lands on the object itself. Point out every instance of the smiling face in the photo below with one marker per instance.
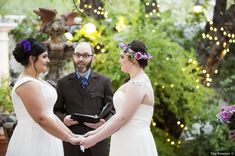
(42, 62)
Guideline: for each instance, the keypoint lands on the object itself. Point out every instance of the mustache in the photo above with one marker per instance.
(87, 66)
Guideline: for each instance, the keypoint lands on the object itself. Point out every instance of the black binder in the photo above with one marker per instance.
(92, 118)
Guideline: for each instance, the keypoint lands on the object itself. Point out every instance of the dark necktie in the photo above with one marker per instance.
(83, 82)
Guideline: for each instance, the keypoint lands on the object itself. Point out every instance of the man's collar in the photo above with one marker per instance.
(86, 74)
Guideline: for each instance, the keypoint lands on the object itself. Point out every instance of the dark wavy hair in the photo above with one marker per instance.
(139, 46)
(27, 47)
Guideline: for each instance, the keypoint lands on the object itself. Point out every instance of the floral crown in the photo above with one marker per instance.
(26, 46)
(137, 55)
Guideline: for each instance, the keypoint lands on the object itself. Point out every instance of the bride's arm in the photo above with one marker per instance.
(35, 105)
(134, 95)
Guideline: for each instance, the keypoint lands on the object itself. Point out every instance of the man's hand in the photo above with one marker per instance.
(68, 121)
(95, 125)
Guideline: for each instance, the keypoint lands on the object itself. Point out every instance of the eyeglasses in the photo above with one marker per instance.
(85, 56)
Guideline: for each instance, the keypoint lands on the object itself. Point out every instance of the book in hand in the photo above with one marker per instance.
(92, 118)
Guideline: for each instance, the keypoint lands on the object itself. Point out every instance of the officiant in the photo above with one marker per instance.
(85, 92)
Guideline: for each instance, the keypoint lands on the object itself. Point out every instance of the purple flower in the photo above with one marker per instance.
(226, 113)
(137, 55)
(26, 46)
(225, 116)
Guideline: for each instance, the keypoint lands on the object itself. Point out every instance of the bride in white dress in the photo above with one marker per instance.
(133, 101)
(38, 132)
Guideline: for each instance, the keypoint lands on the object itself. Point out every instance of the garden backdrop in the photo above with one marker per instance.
(192, 70)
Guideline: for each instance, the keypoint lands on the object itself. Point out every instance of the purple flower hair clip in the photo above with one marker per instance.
(26, 46)
(137, 55)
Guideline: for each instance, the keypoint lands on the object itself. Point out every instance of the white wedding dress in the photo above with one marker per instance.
(135, 137)
(28, 138)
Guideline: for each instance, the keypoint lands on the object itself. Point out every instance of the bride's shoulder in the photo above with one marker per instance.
(138, 83)
(22, 80)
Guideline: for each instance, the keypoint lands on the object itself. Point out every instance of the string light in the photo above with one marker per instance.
(224, 52)
(151, 9)
(97, 47)
(102, 50)
(203, 35)
(190, 60)
(98, 11)
(154, 124)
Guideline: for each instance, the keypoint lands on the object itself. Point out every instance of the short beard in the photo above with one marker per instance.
(81, 70)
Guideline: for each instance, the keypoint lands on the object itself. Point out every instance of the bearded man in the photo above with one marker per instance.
(85, 92)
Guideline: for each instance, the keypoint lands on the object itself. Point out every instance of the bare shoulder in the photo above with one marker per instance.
(27, 86)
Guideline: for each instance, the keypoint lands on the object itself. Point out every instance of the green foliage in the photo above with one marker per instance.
(26, 7)
(5, 99)
(225, 79)
(29, 27)
(163, 147)
(206, 143)
(227, 89)
(174, 71)
(2, 4)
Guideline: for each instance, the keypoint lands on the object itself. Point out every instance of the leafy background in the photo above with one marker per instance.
(181, 102)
